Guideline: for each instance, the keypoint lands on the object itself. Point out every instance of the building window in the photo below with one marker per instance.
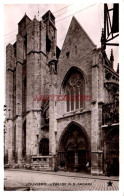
(24, 139)
(77, 92)
(68, 105)
(75, 49)
(25, 83)
(67, 54)
(14, 143)
(74, 89)
(24, 94)
(72, 98)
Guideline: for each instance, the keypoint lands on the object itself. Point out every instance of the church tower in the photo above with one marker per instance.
(31, 71)
(51, 31)
(51, 53)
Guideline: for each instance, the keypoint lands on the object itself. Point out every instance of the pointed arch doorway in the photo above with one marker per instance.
(74, 148)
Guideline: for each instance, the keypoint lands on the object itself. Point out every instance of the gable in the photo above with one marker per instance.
(77, 51)
(77, 36)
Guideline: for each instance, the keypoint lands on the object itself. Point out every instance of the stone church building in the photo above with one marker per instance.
(59, 132)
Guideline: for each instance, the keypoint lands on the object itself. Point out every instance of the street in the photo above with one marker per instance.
(28, 180)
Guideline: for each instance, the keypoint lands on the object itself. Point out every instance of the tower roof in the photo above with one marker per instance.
(49, 15)
(24, 18)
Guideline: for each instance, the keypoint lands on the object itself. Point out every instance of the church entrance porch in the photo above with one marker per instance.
(74, 149)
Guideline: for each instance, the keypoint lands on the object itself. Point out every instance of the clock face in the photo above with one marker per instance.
(51, 30)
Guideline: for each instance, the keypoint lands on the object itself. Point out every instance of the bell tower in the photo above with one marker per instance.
(51, 60)
(51, 32)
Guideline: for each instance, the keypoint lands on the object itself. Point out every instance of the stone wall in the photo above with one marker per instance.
(41, 163)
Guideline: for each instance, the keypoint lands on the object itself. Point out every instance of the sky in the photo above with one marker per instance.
(90, 16)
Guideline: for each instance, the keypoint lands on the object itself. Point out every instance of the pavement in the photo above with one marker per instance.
(29, 180)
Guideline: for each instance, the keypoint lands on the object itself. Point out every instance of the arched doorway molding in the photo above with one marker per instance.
(74, 147)
(82, 129)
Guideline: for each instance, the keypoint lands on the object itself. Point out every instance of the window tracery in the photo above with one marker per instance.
(74, 90)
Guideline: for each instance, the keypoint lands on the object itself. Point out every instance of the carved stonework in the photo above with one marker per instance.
(110, 113)
(110, 76)
(111, 84)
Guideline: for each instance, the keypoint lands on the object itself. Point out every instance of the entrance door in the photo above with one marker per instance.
(115, 167)
(82, 160)
(70, 160)
(114, 163)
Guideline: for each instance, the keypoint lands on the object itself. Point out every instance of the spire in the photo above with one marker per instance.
(102, 41)
(112, 58)
(38, 11)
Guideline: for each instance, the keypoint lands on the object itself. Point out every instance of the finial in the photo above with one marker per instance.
(102, 31)
(111, 51)
(103, 41)
(111, 55)
(112, 58)
(118, 68)
(38, 14)
(102, 35)
(38, 11)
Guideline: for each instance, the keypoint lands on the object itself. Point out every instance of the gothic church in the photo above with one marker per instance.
(54, 134)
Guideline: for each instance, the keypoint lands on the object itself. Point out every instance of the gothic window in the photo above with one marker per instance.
(68, 105)
(72, 98)
(25, 83)
(67, 54)
(75, 49)
(77, 100)
(74, 91)
(81, 93)
(24, 94)
(14, 93)
(14, 142)
(25, 46)
(24, 139)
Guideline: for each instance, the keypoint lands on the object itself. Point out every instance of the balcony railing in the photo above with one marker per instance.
(110, 113)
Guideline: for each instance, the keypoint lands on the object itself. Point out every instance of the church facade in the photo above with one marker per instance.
(61, 105)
